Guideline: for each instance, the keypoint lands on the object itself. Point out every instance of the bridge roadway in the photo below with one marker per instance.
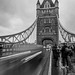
(28, 63)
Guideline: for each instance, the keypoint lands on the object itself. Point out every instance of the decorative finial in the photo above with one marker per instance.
(38, 2)
(56, 1)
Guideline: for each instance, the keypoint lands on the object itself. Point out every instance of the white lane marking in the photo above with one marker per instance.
(50, 65)
(31, 57)
(15, 55)
(14, 61)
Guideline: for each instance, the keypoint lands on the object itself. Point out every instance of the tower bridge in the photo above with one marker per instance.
(18, 57)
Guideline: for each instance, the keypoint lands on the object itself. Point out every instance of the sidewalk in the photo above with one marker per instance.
(55, 70)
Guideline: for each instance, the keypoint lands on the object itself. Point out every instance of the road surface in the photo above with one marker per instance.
(40, 65)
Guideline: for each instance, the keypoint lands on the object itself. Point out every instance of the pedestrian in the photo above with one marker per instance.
(64, 55)
(55, 55)
(70, 55)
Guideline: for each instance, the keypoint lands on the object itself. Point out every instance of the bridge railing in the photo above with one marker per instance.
(10, 49)
(7, 49)
(19, 58)
(21, 55)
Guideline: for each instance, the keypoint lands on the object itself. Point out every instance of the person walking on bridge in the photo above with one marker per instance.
(55, 55)
(64, 54)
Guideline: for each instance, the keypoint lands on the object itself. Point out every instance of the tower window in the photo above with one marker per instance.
(53, 22)
(47, 4)
(44, 20)
(49, 21)
(47, 29)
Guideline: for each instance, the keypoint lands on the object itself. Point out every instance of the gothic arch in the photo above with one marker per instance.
(47, 4)
(46, 41)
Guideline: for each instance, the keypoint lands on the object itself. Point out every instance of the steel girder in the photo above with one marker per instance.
(66, 35)
(18, 37)
(21, 37)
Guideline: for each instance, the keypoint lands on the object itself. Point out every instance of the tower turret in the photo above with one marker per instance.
(56, 3)
(57, 7)
(38, 4)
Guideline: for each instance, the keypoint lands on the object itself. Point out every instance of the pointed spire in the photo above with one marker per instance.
(56, 1)
(50, 1)
(38, 2)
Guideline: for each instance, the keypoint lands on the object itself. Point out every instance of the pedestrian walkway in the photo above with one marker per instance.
(55, 70)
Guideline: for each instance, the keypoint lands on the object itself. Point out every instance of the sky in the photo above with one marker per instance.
(18, 15)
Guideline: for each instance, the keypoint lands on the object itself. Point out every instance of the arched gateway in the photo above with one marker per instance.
(47, 23)
(47, 41)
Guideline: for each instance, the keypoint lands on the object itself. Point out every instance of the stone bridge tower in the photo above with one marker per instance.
(47, 22)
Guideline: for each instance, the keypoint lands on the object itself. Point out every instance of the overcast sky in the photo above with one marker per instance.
(17, 15)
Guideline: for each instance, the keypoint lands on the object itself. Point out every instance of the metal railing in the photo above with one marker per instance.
(10, 49)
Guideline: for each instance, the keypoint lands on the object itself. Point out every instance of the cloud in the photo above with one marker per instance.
(16, 23)
(4, 19)
(67, 14)
(18, 15)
